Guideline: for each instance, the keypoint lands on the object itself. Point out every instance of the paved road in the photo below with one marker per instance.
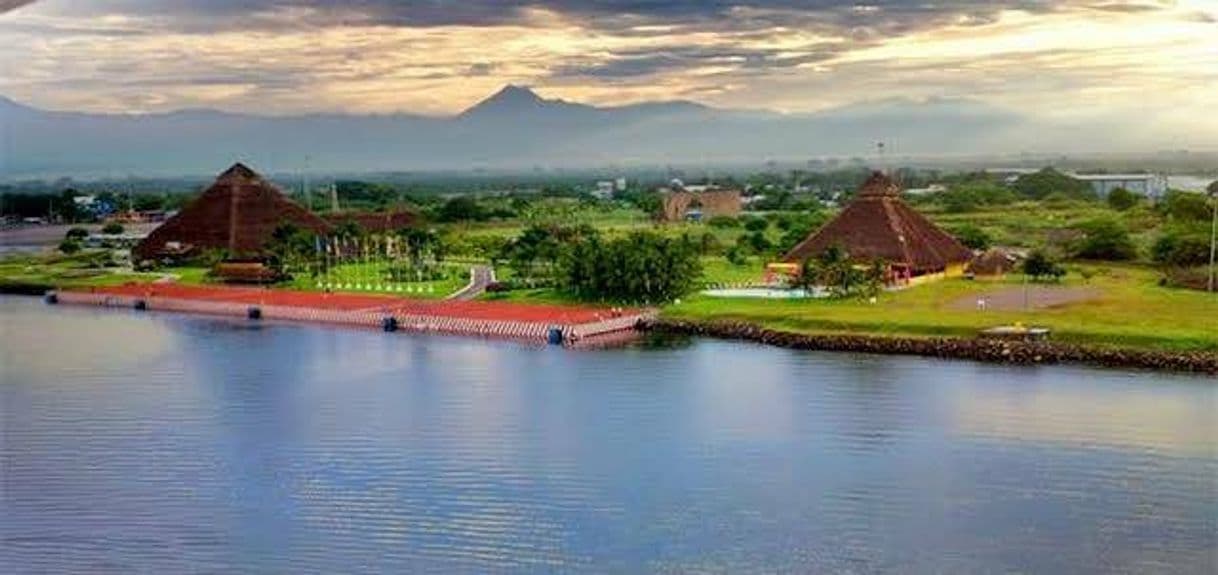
(483, 276)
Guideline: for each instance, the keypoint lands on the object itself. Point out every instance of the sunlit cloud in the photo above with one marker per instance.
(1060, 60)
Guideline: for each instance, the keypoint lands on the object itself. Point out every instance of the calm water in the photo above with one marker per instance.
(171, 444)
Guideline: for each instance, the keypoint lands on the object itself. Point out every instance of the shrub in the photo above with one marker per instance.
(1183, 249)
(1121, 199)
(1185, 207)
(76, 234)
(972, 237)
(69, 246)
(755, 224)
(723, 222)
(754, 243)
(1106, 239)
(1039, 266)
(1050, 181)
(736, 256)
(112, 228)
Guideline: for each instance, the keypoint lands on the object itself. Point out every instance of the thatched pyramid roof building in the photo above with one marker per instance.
(879, 225)
(238, 213)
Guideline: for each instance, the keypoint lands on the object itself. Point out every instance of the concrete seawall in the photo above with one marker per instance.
(987, 350)
(387, 318)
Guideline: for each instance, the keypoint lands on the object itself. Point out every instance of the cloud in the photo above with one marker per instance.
(1057, 59)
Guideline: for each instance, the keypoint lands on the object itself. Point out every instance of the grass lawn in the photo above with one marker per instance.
(76, 270)
(1132, 310)
(372, 278)
(717, 270)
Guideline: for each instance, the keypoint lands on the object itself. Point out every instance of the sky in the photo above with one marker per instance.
(1153, 60)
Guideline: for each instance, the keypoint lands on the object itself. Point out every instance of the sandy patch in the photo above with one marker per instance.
(1033, 297)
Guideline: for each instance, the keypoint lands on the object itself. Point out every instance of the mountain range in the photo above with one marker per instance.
(514, 128)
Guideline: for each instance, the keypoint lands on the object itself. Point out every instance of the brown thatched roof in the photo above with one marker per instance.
(238, 213)
(879, 225)
(376, 222)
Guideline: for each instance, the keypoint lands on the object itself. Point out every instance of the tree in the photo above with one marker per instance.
(461, 209)
(642, 267)
(1039, 265)
(755, 243)
(1106, 239)
(1039, 185)
(290, 248)
(1121, 199)
(419, 243)
(112, 228)
(972, 237)
(77, 234)
(534, 254)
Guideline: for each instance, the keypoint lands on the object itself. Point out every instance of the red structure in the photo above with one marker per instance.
(237, 213)
(878, 225)
(375, 222)
(487, 310)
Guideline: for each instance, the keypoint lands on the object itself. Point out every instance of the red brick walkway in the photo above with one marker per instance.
(505, 311)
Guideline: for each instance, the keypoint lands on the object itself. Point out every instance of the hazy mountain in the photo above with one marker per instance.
(513, 128)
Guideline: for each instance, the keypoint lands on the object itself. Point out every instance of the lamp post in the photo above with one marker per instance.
(1213, 192)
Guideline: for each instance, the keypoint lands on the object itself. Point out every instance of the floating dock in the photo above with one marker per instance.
(552, 324)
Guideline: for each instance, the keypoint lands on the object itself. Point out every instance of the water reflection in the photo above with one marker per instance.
(161, 443)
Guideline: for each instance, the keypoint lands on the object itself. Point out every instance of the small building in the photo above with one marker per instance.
(245, 272)
(238, 213)
(993, 263)
(683, 204)
(604, 190)
(878, 225)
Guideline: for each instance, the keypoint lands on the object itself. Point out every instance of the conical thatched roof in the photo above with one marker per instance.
(879, 225)
(238, 213)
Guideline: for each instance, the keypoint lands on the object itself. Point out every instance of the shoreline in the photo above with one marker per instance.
(974, 349)
(960, 348)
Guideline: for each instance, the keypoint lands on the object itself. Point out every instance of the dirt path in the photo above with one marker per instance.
(1034, 297)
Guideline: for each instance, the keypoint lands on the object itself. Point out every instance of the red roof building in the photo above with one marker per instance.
(237, 213)
(878, 225)
(375, 222)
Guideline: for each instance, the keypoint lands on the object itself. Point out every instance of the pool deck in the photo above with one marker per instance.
(505, 320)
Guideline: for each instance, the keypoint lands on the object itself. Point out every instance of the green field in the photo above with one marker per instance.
(78, 270)
(1131, 309)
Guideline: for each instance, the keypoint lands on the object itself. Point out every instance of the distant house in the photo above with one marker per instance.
(238, 213)
(992, 263)
(683, 204)
(604, 189)
(878, 225)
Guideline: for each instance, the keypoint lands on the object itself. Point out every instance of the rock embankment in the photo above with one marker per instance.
(988, 350)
